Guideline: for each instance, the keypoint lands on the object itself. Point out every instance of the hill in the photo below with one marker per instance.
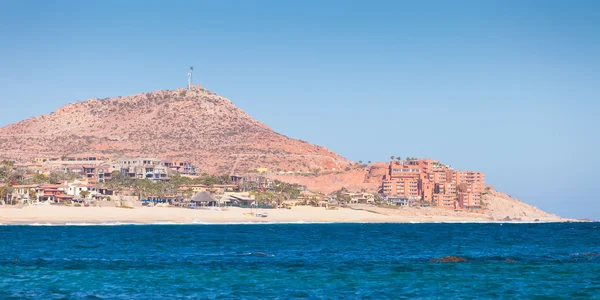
(500, 206)
(193, 125)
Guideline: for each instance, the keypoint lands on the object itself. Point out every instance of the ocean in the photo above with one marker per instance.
(301, 261)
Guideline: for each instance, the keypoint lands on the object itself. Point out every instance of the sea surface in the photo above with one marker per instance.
(292, 261)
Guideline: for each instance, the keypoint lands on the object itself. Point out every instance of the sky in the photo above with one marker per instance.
(510, 88)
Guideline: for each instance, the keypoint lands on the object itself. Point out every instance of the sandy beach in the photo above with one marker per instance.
(157, 215)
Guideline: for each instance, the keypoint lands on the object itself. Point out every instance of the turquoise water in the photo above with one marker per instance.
(314, 261)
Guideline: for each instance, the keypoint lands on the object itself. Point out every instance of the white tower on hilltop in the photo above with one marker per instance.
(190, 77)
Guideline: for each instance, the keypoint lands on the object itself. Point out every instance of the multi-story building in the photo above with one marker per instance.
(140, 168)
(407, 187)
(123, 163)
(447, 201)
(431, 181)
(470, 201)
(181, 167)
(93, 170)
(426, 187)
(473, 180)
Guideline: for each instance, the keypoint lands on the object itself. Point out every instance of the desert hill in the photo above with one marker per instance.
(199, 126)
(500, 205)
(194, 125)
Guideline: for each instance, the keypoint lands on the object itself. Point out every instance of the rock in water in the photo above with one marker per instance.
(449, 259)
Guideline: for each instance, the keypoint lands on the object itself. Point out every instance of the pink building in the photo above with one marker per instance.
(431, 181)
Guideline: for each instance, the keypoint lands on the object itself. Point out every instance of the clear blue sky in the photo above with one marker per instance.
(510, 88)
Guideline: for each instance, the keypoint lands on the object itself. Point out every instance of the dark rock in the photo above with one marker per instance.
(449, 259)
(509, 219)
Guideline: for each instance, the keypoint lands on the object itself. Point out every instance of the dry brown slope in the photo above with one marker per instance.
(500, 206)
(194, 125)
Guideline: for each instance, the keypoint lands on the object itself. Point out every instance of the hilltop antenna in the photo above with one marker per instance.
(190, 77)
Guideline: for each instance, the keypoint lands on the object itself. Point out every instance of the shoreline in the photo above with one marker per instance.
(76, 224)
(114, 216)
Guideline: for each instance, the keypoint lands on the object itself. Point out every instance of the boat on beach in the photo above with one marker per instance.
(258, 215)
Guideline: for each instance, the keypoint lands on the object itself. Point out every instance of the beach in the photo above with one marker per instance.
(173, 215)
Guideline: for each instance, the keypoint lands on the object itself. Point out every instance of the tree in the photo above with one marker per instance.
(249, 186)
(55, 177)
(188, 194)
(3, 194)
(210, 180)
(285, 190)
(15, 176)
(33, 194)
(360, 162)
(369, 162)
(118, 181)
(266, 198)
(7, 163)
(378, 199)
(314, 201)
(144, 188)
(177, 180)
(392, 157)
(6, 193)
(5, 170)
(398, 158)
(39, 178)
(84, 194)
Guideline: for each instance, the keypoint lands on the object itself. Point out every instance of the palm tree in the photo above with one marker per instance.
(188, 194)
(5, 192)
(143, 187)
(314, 201)
(32, 194)
(263, 197)
(279, 200)
(392, 157)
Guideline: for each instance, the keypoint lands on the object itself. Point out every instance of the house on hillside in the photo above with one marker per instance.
(140, 168)
(196, 188)
(26, 192)
(181, 167)
(222, 188)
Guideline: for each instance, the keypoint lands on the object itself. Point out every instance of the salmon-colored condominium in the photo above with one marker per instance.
(426, 180)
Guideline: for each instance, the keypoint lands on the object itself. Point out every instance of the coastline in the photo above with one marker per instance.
(82, 216)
